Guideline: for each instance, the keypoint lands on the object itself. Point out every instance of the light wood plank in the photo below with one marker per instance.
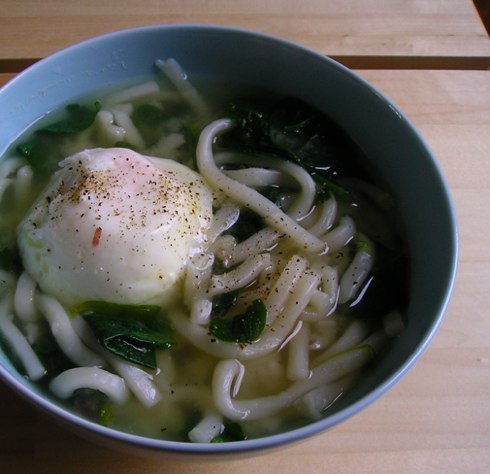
(450, 28)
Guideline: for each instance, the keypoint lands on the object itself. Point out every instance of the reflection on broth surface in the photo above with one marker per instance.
(192, 265)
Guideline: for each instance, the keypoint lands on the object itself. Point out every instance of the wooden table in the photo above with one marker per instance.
(432, 58)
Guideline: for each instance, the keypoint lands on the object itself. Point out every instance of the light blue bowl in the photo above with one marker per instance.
(253, 59)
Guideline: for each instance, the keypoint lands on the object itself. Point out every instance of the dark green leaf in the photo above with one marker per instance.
(42, 152)
(79, 118)
(42, 149)
(132, 339)
(231, 432)
(292, 130)
(223, 303)
(148, 119)
(242, 328)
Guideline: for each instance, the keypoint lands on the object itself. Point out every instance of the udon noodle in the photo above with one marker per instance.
(294, 283)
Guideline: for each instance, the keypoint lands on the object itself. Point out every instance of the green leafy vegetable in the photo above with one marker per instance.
(79, 118)
(42, 149)
(223, 303)
(149, 120)
(297, 132)
(231, 432)
(242, 328)
(131, 333)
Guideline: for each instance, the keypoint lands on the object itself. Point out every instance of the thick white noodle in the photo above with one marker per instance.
(257, 177)
(223, 248)
(324, 333)
(132, 93)
(23, 183)
(198, 273)
(274, 334)
(355, 275)
(342, 234)
(352, 336)
(168, 145)
(247, 196)
(282, 289)
(298, 367)
(201, 310)
(315, 402)
(241, 276)
(108, 132)
(24, 304)
(301, 205)
(172, 69)
(226, 372)
(325, 215)
(196, 285)
(223, 219)
(324, 303)
(21, 347)
(207, 429)
(138, 381)
(64, 384)
(8, 167)
(330, 284)
(261, 241)
(122, 119)
(63, 332)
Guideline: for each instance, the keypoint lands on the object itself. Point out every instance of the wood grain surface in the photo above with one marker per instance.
(413, 28)
(437, 418)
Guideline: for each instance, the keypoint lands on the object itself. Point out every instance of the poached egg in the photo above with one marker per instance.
(117, 226)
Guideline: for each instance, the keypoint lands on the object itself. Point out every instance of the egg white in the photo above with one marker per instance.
(116, 226)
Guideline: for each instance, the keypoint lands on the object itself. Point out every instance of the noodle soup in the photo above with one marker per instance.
(190, 265)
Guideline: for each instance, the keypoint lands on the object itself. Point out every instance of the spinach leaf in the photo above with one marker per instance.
(42, 149)
(78, 118)
(149, 120)
(232, 432)
(132, 338)
(292, 130)
(242, 328)
(223, 303)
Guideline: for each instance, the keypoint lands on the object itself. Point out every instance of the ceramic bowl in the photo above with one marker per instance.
(253, 59)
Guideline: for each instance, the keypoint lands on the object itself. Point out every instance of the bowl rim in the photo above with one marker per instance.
(297, 434)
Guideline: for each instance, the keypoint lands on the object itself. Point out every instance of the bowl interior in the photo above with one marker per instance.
(389, 141)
